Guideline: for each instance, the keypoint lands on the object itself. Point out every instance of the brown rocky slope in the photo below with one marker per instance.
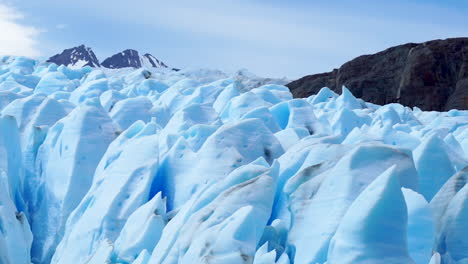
(432, 76)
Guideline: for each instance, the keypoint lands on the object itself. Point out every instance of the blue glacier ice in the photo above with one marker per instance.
(154, 166)
(65, 164)
(15, 232)
(431, 178)
(118, 188)
(374, 228)
(421, 226)
(142, 230)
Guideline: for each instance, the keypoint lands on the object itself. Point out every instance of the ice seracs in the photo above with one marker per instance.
(451, 242)
(373, 230)
(421, 226)
(450, 212)
(217, 225)
(15, 232)
(142, 230)
(432, 178)
(153, 166)
(117, 190)
(332, 196)
(66, 161)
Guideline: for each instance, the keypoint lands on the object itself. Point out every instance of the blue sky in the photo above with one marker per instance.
(270, 38)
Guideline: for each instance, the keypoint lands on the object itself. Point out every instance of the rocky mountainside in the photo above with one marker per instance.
(149, 60)
(431, 75)
(76, 57)
(126, 58)
(131, 58)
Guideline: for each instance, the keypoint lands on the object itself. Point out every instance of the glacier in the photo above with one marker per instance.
(154, 166)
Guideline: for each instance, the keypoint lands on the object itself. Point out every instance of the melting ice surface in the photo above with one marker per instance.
(148, 167)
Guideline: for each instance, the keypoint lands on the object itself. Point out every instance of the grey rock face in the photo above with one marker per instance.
(431, 75)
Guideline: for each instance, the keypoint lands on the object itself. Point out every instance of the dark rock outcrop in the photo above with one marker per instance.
(431, 75)
(78, 56)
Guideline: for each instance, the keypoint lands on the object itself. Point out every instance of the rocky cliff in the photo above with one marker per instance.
(431, 75)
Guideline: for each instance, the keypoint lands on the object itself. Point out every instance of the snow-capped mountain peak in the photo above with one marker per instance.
(149, 60)
(126, 58)
(76, 57)
(81, 56)
(131, 58)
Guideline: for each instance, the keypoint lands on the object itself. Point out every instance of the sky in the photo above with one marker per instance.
(275, 38)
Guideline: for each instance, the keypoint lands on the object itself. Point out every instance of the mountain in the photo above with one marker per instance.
(131, 58)
(432, 76)
(76, 57)
(81, 56)
(149, 60)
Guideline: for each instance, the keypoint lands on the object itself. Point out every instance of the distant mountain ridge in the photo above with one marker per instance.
(81, 56)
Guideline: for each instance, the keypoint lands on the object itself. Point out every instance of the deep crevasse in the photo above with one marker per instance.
(155, 166)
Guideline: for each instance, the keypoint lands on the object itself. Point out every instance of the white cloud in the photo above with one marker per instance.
(15, 38)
